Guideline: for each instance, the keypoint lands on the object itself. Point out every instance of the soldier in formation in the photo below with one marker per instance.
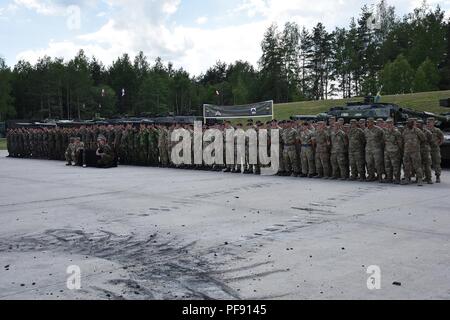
(362, 150)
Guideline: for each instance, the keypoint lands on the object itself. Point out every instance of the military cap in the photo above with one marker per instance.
(101, 137)
(431, 119)
(353, 121)
(412, 119)
(420, 121)
(371, 119)
(389, 121)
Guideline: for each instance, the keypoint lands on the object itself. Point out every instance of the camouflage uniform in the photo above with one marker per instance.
(162, 146)
(290, 137)
(411, 159)
(393, 144)
(438, 136)
(143, 146)
(70, 153)
(374, 152)
(153, 147)
(356, 147)
(107, 160)
(425, 154)
(130, 146)
(322, 156)
(338, 154)
(123, 150)
(307, 153)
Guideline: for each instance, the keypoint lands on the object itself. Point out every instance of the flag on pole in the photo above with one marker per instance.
(378, 97)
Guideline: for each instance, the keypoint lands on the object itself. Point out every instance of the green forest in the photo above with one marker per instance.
(378, 52)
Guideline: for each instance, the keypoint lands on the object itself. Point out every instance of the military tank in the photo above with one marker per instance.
(371, 109)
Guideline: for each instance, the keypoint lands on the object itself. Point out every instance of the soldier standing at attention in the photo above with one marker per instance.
(130, 145)
(438, 140)
(307, 151)
(381, 123)
(162, 146)
(338, 153)
(412, 138)
(290, 138)
(356, 141)
(331, 122)
(322, 156)
(374, 150)
(143, 145)
(393, 145)
(425, 151)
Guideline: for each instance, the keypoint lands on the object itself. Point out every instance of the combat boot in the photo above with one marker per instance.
(406, 181)
(438, 179)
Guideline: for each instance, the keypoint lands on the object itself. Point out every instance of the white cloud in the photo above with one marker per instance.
(201, 20)
(135, 25)
(45, 7)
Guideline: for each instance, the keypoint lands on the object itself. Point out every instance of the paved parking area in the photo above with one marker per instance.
(151, 233)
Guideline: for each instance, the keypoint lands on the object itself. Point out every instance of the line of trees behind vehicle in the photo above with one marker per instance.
(401, 55)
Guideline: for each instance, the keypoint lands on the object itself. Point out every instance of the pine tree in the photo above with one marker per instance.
(273, 83)
(397, 77)
(427, 77)
(6, 100)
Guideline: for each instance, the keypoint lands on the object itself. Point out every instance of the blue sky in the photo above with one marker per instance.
(193, 34)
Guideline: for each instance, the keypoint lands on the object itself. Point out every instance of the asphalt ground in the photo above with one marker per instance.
(152, 233)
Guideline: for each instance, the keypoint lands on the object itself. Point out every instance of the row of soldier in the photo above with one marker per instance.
(364, 150)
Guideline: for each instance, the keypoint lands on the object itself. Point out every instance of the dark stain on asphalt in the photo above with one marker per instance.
(158, 267)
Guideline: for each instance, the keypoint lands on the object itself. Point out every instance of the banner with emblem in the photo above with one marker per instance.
(254, 110)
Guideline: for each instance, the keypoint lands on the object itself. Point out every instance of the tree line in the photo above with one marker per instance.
(378, 52)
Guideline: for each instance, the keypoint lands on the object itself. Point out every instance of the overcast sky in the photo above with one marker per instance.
(193, 34)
